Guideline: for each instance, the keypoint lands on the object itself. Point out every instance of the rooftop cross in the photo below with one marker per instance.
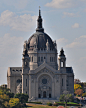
(39, 7)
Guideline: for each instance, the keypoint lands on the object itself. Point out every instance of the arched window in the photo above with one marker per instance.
(32, 59)
(52, 59)
(38, 59)
(41, 59)
(19, 80)
(61, 64)
(39, 96)
(50, 95)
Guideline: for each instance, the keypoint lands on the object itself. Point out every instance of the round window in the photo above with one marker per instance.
(44, 81)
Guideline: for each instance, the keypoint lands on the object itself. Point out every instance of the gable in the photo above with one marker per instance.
(45, 67)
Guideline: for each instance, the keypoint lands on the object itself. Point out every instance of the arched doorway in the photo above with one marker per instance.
(44, 94)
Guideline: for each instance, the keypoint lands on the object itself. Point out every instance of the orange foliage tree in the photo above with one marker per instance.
(79, 92)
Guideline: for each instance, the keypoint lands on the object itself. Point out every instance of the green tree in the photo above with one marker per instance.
(11, 95)
(23, 98)
(66, 97)
(14, 103)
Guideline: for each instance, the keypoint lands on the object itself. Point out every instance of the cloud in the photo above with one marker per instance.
(83, 1)
(76, 25)
(61, 4)
(10, 45)
(70, 14)
(18, 4)
(75, 53)
(78, 43)
(10, 54)
(61, 43)
(61, 40)
(22, 23)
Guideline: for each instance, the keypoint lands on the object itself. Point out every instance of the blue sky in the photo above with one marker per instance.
(63, 20)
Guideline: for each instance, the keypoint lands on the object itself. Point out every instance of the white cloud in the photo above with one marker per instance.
(78, 43)
(61, 43)
(76, 25)
(70, 14)
(10, 54)
(22, 23)
(76, 55)
(61, 3)
(61, 40)
(10, 45)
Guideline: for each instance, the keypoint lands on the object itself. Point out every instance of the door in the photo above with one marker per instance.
(44, 94)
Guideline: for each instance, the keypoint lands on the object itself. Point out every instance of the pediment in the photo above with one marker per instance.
(45, 71)
(45, 68)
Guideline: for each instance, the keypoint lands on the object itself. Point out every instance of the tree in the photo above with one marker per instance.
(1, 103)
(14, 103)
(66, 97)
(4, 97)
(77, 81)
(84, 94)
(11, 95)
(77, 86)
(23, 98)
(79, 92)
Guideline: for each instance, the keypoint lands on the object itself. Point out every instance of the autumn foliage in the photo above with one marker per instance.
(77, 86)
(79, 92)
(14, 102)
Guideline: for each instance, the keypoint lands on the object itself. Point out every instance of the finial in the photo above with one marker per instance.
(39, 23)
(39, 7)
(39, 11)
(62, 52)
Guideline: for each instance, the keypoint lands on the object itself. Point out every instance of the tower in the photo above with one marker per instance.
(61, 60)
(25, 70)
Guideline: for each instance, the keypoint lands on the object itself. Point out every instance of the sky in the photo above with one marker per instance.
(63, 20)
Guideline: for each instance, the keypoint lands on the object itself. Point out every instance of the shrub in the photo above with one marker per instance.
(84, 94)
(55, 104)
(23, 98)
(14, 102)
(35, 102)
(49, 104)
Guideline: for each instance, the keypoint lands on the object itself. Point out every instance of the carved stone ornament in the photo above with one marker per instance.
(32, 78)
(45, 71)
(57, 78)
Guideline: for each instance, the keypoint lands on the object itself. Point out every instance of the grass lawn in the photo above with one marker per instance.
(42, 106)
(39, 106)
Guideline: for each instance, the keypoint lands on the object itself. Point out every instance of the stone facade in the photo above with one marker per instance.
(41, 76)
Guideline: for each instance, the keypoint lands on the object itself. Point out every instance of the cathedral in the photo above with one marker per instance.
(43, 74)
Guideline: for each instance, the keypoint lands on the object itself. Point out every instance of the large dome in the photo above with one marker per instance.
(40, 38)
